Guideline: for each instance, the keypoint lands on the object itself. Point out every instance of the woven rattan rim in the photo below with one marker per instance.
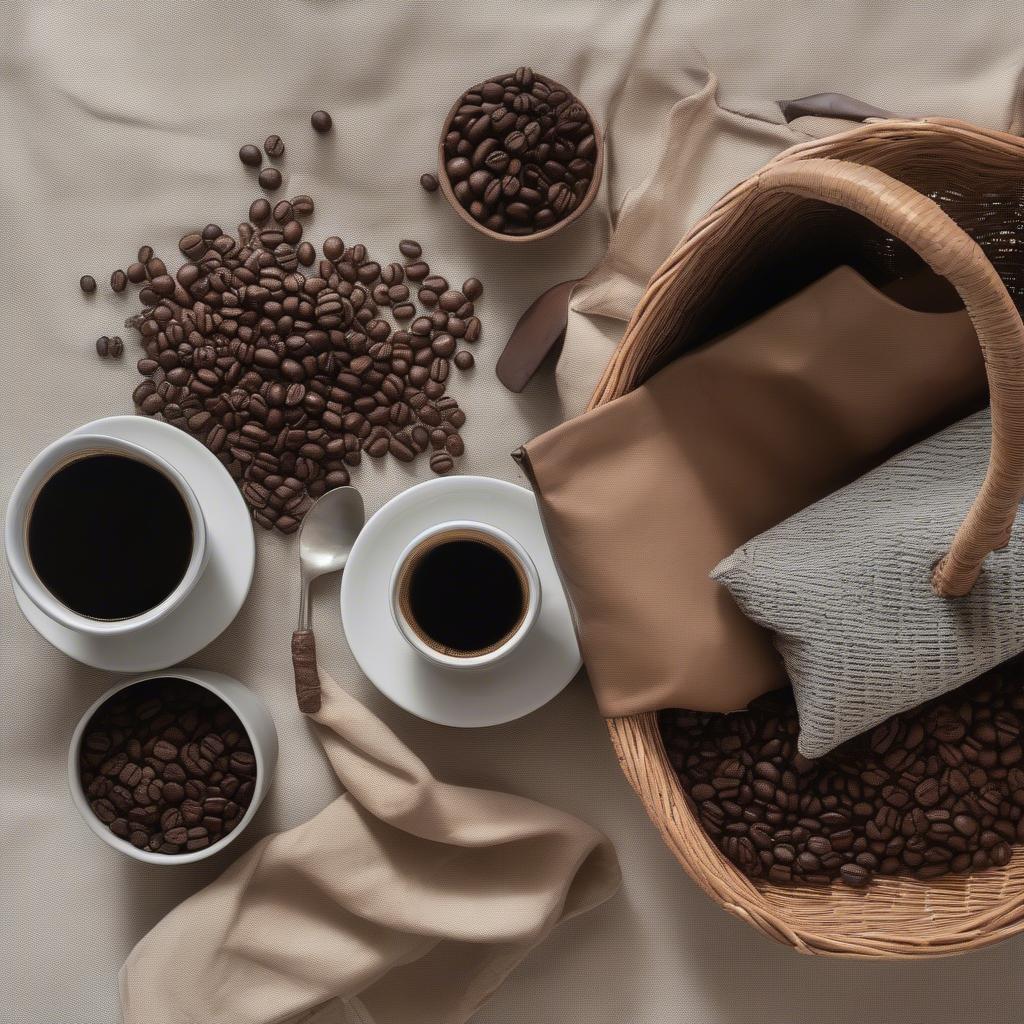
(896, 917)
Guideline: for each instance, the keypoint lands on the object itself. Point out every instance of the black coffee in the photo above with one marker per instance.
(466, 596)
(109, 536)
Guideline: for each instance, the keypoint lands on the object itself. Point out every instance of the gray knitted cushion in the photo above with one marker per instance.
(845, 586)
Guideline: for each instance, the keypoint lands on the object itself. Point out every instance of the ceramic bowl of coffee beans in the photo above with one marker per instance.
(170, 767)
(520, 157)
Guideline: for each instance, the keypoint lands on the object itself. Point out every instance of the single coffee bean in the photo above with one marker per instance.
(334, 248)
(116, 347)
(410, 249)
(451, 300)
(259, 211)
(428, 182)
(103, 346)
(273, 146)
(321, 121)
(464, 359)
(250, 155)
(283, 212)
(118, 280)
(441, 462)
(270, 179)
(472, 289)
(87, 283)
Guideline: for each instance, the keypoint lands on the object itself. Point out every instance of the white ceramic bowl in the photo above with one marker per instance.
(42, 467)
(533, 596)
(253, 715)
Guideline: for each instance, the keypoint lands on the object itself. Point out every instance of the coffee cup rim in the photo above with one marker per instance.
(46, 463)
(526, 624)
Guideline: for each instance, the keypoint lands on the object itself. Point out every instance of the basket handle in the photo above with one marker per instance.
(922, 225)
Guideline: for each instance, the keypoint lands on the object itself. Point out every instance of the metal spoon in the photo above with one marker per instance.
(326, 536)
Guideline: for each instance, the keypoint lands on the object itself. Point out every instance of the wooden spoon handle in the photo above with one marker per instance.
(307, 679)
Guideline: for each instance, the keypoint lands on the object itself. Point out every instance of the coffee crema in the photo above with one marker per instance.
(464, 595)
(109, 536)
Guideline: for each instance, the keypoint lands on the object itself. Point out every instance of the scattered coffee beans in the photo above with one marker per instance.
(270, 179)
(520, 153)
(167, 766)
(935, 790)
(321, 121)
(274, 146)
(113, 347)
(289, 376)
(87, 283)
(429, 182)
(250, 156)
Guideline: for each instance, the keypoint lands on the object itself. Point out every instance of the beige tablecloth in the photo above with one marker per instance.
(119, 124)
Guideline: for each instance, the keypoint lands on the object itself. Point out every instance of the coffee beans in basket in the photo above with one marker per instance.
(520, 153)
(167, 766)
(936, 790)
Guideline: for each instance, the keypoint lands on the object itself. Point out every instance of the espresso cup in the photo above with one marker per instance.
(464, 595)
(21, 528)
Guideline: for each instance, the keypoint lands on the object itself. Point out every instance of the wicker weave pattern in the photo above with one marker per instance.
(975, 174)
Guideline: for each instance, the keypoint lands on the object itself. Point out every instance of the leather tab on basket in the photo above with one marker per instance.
(539, 330)
(831, 104)
(307, 679)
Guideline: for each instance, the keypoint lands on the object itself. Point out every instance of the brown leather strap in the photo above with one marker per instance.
(307, 679)
(538, 331)
(831, 104)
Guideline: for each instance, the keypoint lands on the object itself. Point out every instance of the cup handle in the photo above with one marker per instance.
(307, 679)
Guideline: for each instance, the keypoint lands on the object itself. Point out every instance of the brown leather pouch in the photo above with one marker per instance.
(643, 496)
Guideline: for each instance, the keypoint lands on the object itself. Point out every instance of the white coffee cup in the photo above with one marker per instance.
(442, 533)
(259, 727)
(19, 512)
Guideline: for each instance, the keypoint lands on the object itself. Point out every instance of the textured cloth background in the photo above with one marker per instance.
(846, 587)
(120, 124)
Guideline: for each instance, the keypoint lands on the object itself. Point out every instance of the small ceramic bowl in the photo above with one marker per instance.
(585, 203)
(253, 715)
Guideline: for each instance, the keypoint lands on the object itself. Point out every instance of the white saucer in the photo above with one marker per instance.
(526, 679)
(222, 588)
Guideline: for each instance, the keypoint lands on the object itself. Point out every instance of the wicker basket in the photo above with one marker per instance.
(767, 238)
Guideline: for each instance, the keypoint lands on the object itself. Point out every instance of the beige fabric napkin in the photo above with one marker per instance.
(406, 901)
